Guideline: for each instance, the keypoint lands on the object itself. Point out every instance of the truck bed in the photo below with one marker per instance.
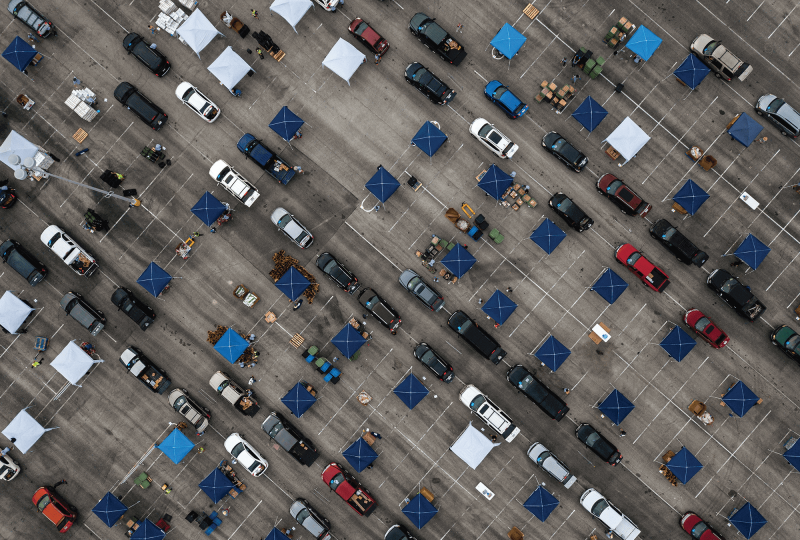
(657, 279)
(304, 453)
(154, 379)
(363, 504)
(247, 406)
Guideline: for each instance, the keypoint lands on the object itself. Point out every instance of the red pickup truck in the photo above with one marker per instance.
(347, 487)
(650, 274)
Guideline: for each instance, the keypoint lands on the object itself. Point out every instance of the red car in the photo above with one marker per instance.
(706, 328)
(54, 508)
(622, 196)
(364, 33)
(347, 487)
(650, 274)
(698, 528)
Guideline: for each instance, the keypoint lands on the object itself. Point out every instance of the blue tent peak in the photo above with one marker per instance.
(411, 391)
(208, 208)
(148, 531)
(216, 485)
(610, 286)
(541, 503)
(678, 343)
(548, 236)
(286, 124)
(740, 399)
(275, 534)
(552, 353)
(176, 446)
(495, 182)
(616, 406)
(292, 283)
(691, 197)
(644, 42)
(590, 114)
(231, 345)
(745, 129)
(154, 279)
(109, 509)
(419, 511)
(360, 454)
(684, 465)
(692, 71)
(429, 138)
(508, 41)
(748, 520)
(348, 341)
(458, 261)
(499, 307)
(382, 184)
(19, 53)
(299, 400)
(752, 251)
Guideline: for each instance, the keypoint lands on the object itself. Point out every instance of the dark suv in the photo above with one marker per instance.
(92, 319)
(598, 444)
(571, 212)
(564, 151)
(525, 382)
(150, 113)
(151, 58)
(22, 262)
(337, 273)
(677, 244)
(32, 18)
(735, 294)
(780, 113)
(138, 311)
(426, 82)
(482, 342)
(380, 309)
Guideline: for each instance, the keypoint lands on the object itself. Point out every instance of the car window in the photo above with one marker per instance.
(412, 283)
(775, 105)
(728, 286)
(500, 91)
(633, 258)
(699, 529)
(599, 507)
(669, 234)
(495, 138)
(330, 266)
(426, 293)
(179, 403)
(422, 76)
(255, 465)
(302, 515)
(710, 328)
(477, 402)
(794, 343)
(277, 428)
(429, 358)
(43, 502)
(238, 449)
(559, 144)
(614, 186)
(369, 303)
(484, 131)
(543, 456)
(336, 481)
(710, 47)
(626, 194)
(284, 221)
(360, 28)
(592, 439)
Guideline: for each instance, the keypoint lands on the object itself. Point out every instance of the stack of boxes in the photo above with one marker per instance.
(189, 4)
(76, 103)
(171, 17)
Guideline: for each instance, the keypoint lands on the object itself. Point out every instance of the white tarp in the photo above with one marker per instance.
(26, 430)
(198, 31)
(291, 10)
(628, 139)
(229, 68)
(73, 362)
(19, 145)
(13, 312)
(472, 446)
(344, 59)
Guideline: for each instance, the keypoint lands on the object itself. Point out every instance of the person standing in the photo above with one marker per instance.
(76, 82)
(298, 169)
(254, 13)
(260, 53)
(377, 58)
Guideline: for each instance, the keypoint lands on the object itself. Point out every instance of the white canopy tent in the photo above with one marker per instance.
(291, 10)
(344, 60)
(73, 363)
(229, 68)
(18, 145)
(472, 446)
(627, 139)
(13, 312)
(198, 31)
(26, 430)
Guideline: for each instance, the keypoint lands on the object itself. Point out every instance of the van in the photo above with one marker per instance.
(22, 262)
(550, 463)
(779, 113)
(150, 113)
(92, 319)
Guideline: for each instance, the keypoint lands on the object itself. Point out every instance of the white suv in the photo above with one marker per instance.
(603, 510)
(233, 182)
(491, 414)
(550, 463)
(492, 139)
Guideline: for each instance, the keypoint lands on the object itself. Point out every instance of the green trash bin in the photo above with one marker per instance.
(589, 66)
(596, 72)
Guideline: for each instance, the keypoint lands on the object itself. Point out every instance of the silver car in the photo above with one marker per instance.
(779, 113)
(317, 525)
(292, 228)
(550, 463)
(426, 294)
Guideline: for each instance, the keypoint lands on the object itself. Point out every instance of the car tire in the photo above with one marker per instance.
(759, 113)
(718, 75)
(783, 133)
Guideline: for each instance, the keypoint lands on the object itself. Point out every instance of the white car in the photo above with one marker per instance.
(192, 98)
(491, 414)
(603, 510)
(328, 5)
(73, 255)
(492, 139)
(540, 455)
(233, 182)
(8, 468)
(241, 450)
(292, 228)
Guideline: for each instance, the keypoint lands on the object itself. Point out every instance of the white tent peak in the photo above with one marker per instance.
(344, 59)
(472, 446)
(198, 31)
(73, 362)
(291, 10)
(18, 145)
(26, 430)
(628, 139)
(229, 68)
(13, 312)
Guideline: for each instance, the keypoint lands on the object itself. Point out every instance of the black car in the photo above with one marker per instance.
(571, 212)
(8, 197)
(437, 39)
(337, 273)
(398, 532)
(426, 294)
(434, 362)
(525, 382)
(280, 430)
(426, 82)
(598, 444)
(735, 294)
(680, 246)
(380, 309)
(787, 341)
(22, 262)
(151, 58)
(565, 152)
(477, 337)
(138, 311)
(32, 18)
(151, 114)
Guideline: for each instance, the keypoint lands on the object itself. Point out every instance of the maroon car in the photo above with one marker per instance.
(706, 328)
(698, 528)
(367, 35)
(622, 196)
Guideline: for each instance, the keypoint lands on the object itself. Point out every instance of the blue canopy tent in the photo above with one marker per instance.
(429, 138)
(684, 465)
(740, 399)
(109, 509)
(292, 283)
(20, 53)
(176, 446)
(589, 114)
(348, 341)
(299, 400)
(792, 455)
(419, 511)
(154, 279)
(411, 391)
(148, 531)
(382, 184)
(752, 251)
(458, 261)
(508, 41)
(541, 503)
(495, 182)
(208, 209)
(286, 124)
(499, 307)
(748, 520)
(745, 129)
(275, 534)
(547, 236)
(360, 454)
(231, 346)
(691, 197)
(678, 343)
(644, 42)
(692, 71)
(610, 286)
(616, 407)
(552, 353)
(216, 485)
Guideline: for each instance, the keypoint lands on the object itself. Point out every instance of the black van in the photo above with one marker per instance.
(480, 340)
(680, 246)
(151, 58)
(23, 262)
(150, 113)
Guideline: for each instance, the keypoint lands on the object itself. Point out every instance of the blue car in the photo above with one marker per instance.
(505, 99)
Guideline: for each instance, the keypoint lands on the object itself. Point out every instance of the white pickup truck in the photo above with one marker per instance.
(74, 256)
(234, 183)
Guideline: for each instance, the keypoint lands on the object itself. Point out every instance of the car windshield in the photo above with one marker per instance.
(710, 47)
(559, 144)
(633, 258)
(302, 515)
(422, 76)
(336, 481)
(238, 449)
(374, 300)
(413, 282)
(729, 284)
(188, 94)
(284, 221)
(429, 359)
(277, 428)
(543, 456)
(43, 502)
(701, 324)
(592, 439)
(330, 267)
(565, 205)
(477, 402)
(794, 343)
(599, 507)
(699, 529)
(669, 234)
(360, 28)
(614, 186)
(179, 403)
(500, 91)
(485, 130)
(775, 105)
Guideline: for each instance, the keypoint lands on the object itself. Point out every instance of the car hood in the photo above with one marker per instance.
(492, 87)
(783, 334)
(277, 214)
(468, 394)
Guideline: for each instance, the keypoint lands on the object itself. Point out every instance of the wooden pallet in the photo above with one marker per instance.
(277, 55)
(80, 135)
(530, 11)
(297, 340)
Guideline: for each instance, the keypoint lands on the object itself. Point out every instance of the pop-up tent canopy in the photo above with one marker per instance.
(286, 124)
(382, 184)
(360, 455)
(148, 531)
(616, 407)
(552, 353)
(628, 139)
(13, 312)
(19, 53)
(748, 520)
(291, 10)
(792, 455)
(691, 197)
(752, 251)
(499, 307)
(197, 31)
(547, 236)
(745, 129)
(26, 430)
(73, 363)
(292, 283)
(419, 511)
(740, 399)
(348, 341)
(154, 279)
(678, 343)
(344, 59)
(610, 286)
(275, 534)
(208, 209)
(176, 446)
(541, 503)
(109, 509)
(495, 182)
(508, 41)
(684, 465)
(692, 71)
(429, 138)
(472, 446)
(590, 114)
(16, 144)
(644, 43)
(458, 261)
(231, 345)
(299, 400)
(216, 485)
(229, 68)
(411, 391)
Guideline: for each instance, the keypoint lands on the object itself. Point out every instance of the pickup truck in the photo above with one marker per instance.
(254, 149)
(477, 337)
(680, 246)
(347, 487)
(233, 182)
(242, 401)
(143, 369)
(286, 435)
(650, 274)
(437, 39)
(69, 251)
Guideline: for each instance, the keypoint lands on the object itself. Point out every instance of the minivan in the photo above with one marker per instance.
(550, 463)
(779, 113)
(150, 113)
(92, 319)
(22, 262)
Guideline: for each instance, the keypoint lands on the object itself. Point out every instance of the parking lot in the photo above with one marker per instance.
(108, 425)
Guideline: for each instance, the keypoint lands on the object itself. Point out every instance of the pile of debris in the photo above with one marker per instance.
(282, 264)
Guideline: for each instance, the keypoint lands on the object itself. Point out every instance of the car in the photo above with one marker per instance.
(311, 520)
(150, 113)
(280, 430)
(197, 102)
(234, 183)
(348, 488)
(138, 311)
(140, 366)
(504, 98)
(779, 113)
(622, 196)
(424, 292)
(8, 468)
(697, 528)
(265, 158)
(398, 532)
(32, 18)
(242, 401)
(197, 416)
(477, 338)
(50, 504)
(545, 459)
(435, 363)
(787, 341)
(735, 294)
(564, 151)
(641, 267)
(328, 5)
(436, 39)
(292, 228)
(152, 58)
(598, 444)
(492, 139)
(680, 246)
(524, 381)
(23, 262)
(245, 454)
(380, 309)
(429, 84)
(492, 415)
(337, 273)
(705, 328)
(8, 197)
(719, 59)
(367, 35)
(571, 212)
(65, 248)
(602, 509)
(76, 307)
